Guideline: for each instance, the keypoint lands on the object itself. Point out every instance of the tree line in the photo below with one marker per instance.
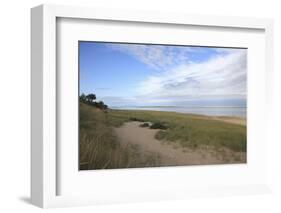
(90, 100)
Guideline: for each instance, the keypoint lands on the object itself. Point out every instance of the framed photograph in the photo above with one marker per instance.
(130, 106)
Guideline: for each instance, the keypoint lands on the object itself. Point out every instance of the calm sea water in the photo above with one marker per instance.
(211, 111)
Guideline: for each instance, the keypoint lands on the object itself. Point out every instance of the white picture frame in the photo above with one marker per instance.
(44, 149)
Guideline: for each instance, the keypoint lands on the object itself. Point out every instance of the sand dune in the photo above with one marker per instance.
(170, 153)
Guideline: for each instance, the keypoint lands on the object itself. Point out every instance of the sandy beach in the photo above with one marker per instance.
(233, 120)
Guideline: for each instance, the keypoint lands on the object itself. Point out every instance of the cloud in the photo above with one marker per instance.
(222, 76)
(157, 57)
(215, 74)
(229, 50)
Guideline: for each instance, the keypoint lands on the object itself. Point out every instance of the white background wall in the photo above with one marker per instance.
(15, 104)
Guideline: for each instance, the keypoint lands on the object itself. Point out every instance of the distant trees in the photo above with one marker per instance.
(82, 98)
(91, 97)
(90, 100)
(100, 105)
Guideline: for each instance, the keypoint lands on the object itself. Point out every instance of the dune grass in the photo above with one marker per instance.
(186, 129)
(100, 149)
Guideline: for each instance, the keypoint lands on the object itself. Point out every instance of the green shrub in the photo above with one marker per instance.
(144, 125)
(158, 125)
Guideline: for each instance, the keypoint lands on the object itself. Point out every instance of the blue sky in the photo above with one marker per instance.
(148, 75)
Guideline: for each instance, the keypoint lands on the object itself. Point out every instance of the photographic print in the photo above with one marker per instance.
(156, 105)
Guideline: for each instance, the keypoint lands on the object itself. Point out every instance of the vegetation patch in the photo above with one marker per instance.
(99, 147)
(136, 119)
(186, 129)
(144, 125)
(158, 125)
(90, 100)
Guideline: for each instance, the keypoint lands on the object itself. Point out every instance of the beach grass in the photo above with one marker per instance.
(186, 129)
(100, 149)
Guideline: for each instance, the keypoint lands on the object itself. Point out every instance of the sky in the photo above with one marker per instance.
(122, 74)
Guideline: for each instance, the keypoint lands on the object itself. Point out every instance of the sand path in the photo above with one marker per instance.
(130, 132)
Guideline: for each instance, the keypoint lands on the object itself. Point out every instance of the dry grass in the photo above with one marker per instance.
(100, 149)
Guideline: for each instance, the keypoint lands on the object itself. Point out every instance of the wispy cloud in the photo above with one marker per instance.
(157, 57)
(222, 76)
(228, 50)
